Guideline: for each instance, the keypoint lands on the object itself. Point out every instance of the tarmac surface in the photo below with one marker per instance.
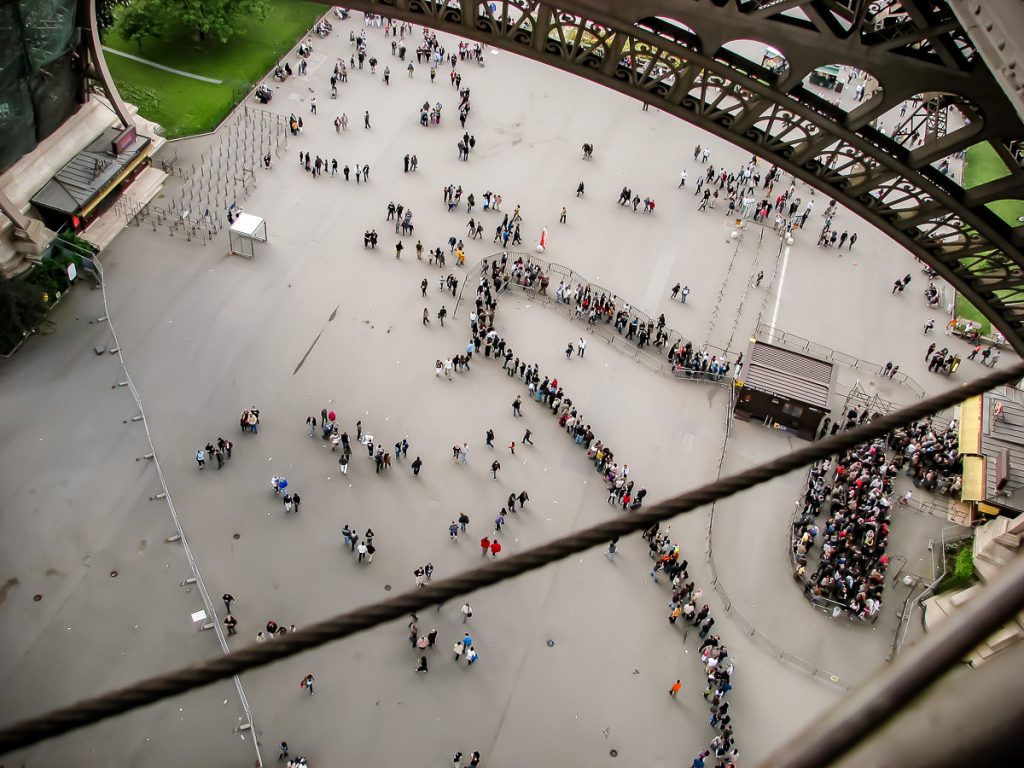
(316, 321)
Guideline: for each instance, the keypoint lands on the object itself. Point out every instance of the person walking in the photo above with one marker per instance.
(307, 681)
(613, 548)
(228, 599)
(496, 465)
(495, 548)
(463, 522)
(526, 437)
(230, 622)
(366, 119)
(453, 531)
(517, 406)
(511, 447)
(416, 464)
(676, 687)
(485, 545)
(201, 458)
(561, 217)
(467, 612)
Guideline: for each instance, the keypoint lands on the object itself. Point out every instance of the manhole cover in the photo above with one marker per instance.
(237, 536)
(113, 574)
(551, 643)
(387, 587)
(613, 752)
(37, 598)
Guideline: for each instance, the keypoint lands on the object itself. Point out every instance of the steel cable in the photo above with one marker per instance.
(92, 710)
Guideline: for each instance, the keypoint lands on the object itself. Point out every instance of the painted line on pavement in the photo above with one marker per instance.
(153, 64)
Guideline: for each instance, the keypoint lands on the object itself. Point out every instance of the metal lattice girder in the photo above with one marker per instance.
(676, 55)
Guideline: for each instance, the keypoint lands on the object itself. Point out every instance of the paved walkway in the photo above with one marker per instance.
(206, 335)
(153, 64)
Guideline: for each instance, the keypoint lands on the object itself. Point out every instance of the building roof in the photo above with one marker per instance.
(87, 174)
(1003, 432)
(784, 373)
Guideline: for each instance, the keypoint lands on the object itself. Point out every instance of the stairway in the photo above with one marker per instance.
(996, 544)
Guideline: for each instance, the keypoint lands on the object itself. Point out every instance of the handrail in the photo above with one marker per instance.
(784, 338)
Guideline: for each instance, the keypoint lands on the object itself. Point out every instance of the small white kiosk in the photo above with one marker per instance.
(246, 230)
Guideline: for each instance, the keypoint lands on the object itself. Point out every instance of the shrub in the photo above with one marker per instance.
(21, 312)
(963, 569)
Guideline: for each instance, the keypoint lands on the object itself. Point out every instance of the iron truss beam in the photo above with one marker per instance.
(675, 54)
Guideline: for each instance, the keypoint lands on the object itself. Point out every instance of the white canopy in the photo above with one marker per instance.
(250, 226)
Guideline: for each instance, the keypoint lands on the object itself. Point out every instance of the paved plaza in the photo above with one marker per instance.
(316, 321)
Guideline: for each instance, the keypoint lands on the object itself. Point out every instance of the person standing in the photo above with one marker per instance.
(230, 622)
(496, 465)
(307, 681)
(561, 218)
(228, 599)
(201, 458)
(490, 438)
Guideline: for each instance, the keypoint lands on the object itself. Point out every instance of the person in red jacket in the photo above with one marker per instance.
(495, 548)
(485, 544)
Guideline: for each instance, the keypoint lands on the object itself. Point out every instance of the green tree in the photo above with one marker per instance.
(105, 13)
(142, 19)
(215, 18)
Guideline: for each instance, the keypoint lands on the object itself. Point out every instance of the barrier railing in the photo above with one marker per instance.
(800, 344)
(547, 295)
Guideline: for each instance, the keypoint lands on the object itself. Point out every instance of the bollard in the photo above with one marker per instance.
(189, 580)
(161, 495)
(172, 539)
(208, 625)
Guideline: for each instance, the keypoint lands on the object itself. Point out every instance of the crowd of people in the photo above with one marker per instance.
(714, 656)
(855, 493)
(930, 457)
(622, 492)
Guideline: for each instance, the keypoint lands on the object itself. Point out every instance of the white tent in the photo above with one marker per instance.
(246, 230)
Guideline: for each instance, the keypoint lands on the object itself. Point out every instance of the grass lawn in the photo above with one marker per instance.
(184, 106)
(982, 165)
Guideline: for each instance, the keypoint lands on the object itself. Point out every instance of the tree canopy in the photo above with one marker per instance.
(208, 18)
